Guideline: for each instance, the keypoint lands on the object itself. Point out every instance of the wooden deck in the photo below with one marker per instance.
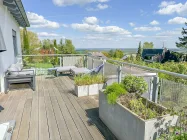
(53, 112)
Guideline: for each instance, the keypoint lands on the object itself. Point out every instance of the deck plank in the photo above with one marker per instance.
(33, 131)
(63, 129)
(18, 115)
(24, 127)
(80, 124)
(53, 127)
(92, 129)
(90, 105)
(43, 122)
(51, 112)
(74, 132)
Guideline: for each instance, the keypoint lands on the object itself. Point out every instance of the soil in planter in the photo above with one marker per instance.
(142, 107)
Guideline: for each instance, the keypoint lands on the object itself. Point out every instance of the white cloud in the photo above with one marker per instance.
(98, 7)
(65, 25)
(132, 24)
(154, 22)
(38, 21)
(171, 8)
(169, 33)
(91, 20)
(166, 3)
(144, 28)
(75, 2)
(138, 36)
(177, 20)
(90, 24)
(99, 29)
(102, 6)
(45, 34)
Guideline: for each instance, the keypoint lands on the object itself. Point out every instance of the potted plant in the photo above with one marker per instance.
(86, 85)
(128, 115)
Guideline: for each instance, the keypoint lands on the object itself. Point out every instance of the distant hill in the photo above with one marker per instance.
(125, 50)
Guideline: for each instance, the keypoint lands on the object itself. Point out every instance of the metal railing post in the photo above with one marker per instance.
(104, 67)
(92, 63)
(119, 74)
(155, 89)
(60, 61)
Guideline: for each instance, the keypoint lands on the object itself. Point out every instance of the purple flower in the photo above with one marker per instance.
(177, 133)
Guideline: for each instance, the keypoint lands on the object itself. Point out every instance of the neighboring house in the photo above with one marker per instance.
(97, 54)
(12, 17)
(155, 55)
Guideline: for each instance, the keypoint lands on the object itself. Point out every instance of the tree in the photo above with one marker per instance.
(183, 40)
(46, 44)
(61, 46)
(106, 54)
(34, 42)
(148, 45)
(139, 53)
(68, 48)
(118, 53)
(25, 41)
(131, 58)
(111, 53)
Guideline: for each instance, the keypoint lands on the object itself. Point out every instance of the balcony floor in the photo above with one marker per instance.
(53, 112)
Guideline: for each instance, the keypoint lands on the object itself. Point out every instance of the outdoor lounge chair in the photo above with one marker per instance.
(79, 71)
(64, 69)
(17, 75)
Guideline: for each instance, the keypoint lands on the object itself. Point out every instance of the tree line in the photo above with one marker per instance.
(31, 44)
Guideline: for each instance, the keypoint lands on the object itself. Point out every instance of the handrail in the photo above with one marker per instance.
(183, 76)
(53, 55)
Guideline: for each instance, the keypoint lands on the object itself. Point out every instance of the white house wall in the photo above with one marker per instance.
(7, 24)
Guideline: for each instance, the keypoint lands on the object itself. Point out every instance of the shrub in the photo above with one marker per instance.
(111, 98)
(88, 79)
(134, 84)
(115, 88)
(137, 106)
(113, 92)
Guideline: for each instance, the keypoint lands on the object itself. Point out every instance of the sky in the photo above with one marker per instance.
(108, 23)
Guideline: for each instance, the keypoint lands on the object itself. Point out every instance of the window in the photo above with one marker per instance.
(2, 42)
(15, 43)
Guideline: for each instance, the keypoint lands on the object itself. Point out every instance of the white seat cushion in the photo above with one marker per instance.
(65, 68)
(25, 73)
(13, 70)
(19, 66)
(77, 71)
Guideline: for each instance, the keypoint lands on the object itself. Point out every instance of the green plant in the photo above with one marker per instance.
(87, 79)
(134, 84)
(113, 92)
(112, 97)
(137, 106)
(115, 88)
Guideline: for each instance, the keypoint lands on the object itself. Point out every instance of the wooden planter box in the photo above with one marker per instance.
(88, 90)
(126, 125)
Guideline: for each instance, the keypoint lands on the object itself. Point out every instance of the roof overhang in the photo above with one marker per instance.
(17, 10)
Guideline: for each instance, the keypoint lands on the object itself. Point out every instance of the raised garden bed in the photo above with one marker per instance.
(88, 85)
(126, 125)
(131, 117)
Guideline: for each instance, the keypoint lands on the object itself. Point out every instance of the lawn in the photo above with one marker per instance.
(39, 65)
